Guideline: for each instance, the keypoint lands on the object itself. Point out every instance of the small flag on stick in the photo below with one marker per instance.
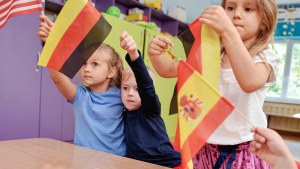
(201, 110)
(78, 27)
(202, 48)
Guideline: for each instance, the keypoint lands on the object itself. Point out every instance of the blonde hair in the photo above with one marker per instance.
(267, 10)
(113, 60)
(128, 73)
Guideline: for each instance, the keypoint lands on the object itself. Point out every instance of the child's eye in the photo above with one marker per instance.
(249, 9)
(95, 64)
(125, 88)
(230, 8)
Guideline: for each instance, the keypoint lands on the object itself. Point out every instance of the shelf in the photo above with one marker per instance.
(131, 4)
(182, 26)
(162, 20)
(157, 14)
(54, 5)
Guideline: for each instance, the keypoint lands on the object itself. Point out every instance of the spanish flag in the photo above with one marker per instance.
(201, 110)
(79, 26)
(202, 48)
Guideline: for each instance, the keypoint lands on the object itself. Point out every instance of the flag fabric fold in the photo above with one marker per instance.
(10, 8)
(78, 27)
(202, 49)
(201, 110)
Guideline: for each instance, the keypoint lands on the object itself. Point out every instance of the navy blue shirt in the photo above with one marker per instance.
(145, 131)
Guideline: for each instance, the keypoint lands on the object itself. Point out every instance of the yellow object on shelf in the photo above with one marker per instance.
(156, 4)
(134, 17)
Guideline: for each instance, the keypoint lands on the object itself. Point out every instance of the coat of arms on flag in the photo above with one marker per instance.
(10, 8)
(201, 110)
(78, 27)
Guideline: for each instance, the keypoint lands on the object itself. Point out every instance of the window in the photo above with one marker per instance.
(287, 87)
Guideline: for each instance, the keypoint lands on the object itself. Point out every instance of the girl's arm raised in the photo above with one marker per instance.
(62, 82)
(249, 75)
(66, 87)
(162, 65)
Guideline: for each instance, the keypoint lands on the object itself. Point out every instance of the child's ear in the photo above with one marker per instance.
(112, 72)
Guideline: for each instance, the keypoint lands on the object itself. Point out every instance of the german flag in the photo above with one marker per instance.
(202, 48)
(78, 27)
(201, 110)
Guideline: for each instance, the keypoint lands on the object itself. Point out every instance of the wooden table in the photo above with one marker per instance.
(42, 153)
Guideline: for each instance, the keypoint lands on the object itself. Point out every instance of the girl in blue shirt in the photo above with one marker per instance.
(97, 104)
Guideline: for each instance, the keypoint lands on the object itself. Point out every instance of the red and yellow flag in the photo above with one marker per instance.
(201, 110)
(10, 8)
(78, 27)
(202, 48)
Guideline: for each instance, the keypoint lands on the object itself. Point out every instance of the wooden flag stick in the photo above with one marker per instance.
(244, 117)
(116, 31)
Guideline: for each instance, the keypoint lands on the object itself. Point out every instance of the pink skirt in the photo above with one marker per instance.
(207, 157)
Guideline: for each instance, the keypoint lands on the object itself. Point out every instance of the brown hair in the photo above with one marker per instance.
(267, 10)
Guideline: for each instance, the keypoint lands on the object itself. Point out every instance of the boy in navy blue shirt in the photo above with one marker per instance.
(145, 132)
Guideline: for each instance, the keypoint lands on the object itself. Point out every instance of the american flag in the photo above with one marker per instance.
(10, 8)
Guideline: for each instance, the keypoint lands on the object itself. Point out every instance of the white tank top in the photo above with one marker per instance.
(235, 129)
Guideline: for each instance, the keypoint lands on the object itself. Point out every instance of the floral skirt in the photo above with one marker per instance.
(228, 157)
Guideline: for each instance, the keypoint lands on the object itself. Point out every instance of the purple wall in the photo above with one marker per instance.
(20, 82)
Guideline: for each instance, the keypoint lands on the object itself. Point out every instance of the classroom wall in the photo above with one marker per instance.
(193, 7)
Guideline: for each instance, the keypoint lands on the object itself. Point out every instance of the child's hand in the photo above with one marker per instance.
(269, 146)
(45, 27)
(159, 45)
(128, 44)
(216, 18)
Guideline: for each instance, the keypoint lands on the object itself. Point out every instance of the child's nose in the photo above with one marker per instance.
(130, 93)
(86, 68)
(237, 13)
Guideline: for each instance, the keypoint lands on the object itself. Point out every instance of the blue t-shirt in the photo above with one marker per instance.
(99, 120)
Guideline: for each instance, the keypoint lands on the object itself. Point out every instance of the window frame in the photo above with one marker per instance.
(283, 98)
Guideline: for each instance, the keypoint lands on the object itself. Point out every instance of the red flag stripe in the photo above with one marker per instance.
(10, 3)
(12, 8)
(206, 127)
(183, 76)
(72, 38)
(15, 7)
(176, 142)
(195, 27)
(20, 13)
(195, 56)
(4, 2)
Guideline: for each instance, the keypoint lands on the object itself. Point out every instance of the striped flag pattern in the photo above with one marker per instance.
(201, 110)
(202, 48)
(10, 8)
(78, 30)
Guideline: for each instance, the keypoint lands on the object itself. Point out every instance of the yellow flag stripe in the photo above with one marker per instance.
(205, 93)
(210, 47)
(69, 12)
(190, 164)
